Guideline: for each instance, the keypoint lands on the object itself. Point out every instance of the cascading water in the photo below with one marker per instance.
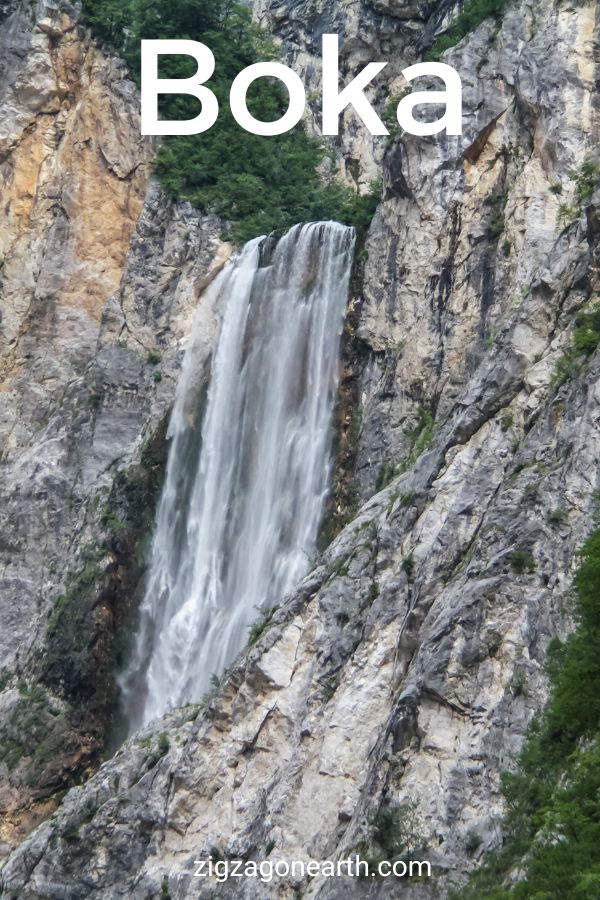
(239, 515)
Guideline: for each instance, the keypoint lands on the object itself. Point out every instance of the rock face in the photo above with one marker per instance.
(98, 282)
(404, 670)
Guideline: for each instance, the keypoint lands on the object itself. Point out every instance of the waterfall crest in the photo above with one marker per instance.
(246, 479)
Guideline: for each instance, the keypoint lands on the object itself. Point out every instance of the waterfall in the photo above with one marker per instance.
(249, 464)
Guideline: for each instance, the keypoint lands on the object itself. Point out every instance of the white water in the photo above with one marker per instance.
(239, 515)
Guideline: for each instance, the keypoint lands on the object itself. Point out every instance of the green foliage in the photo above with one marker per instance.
(567, 366)
(497, 226)
(586, 336)
(518, 685)
(522, 563)
(586, 179)
(490, 338)
(257, 184)
(567, 214)
(340, 568)
(71, 833)
(161, 748)
(420, 437)
(408, 565)
(33, 735)
(91, 619)
(552, 828)
(497, 199)
(406, 499)
(86, 578)
(397, 830)
(473, 13)
(472, 842)
(586, 182)
(390, 117)
(557, 516)
(258, 628)
(386, 473)
(373, 592)
(498, 203)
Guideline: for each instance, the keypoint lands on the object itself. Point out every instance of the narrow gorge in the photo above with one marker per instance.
(289, 528)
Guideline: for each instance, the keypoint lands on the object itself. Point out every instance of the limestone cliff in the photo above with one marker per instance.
(98, 282)
(407, 665)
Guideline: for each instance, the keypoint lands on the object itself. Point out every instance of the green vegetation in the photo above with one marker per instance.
(406, 498)
(75, 689)
(390, 117)
(386, 473)
(586, 338)
(374, 591)
(258, 628)
(586, 181)
(518, 685)
(567, 366)
(408, 565)
(472, 842)
(256, 184)
(522, 563)
(490, 338)
(339, 568)
(473, 13)
(557, 516)
(397, 830)
(33, 735)
(91, 621)
(567, 214)
(86, 577)
(161, 748)
(552, 827)
(420, 437)
(498, 202)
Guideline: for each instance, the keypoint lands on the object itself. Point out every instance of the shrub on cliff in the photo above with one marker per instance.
(257, 184)
(473, 13)
(552, 828)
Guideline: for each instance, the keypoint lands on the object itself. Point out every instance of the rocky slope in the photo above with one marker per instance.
(407, 665)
